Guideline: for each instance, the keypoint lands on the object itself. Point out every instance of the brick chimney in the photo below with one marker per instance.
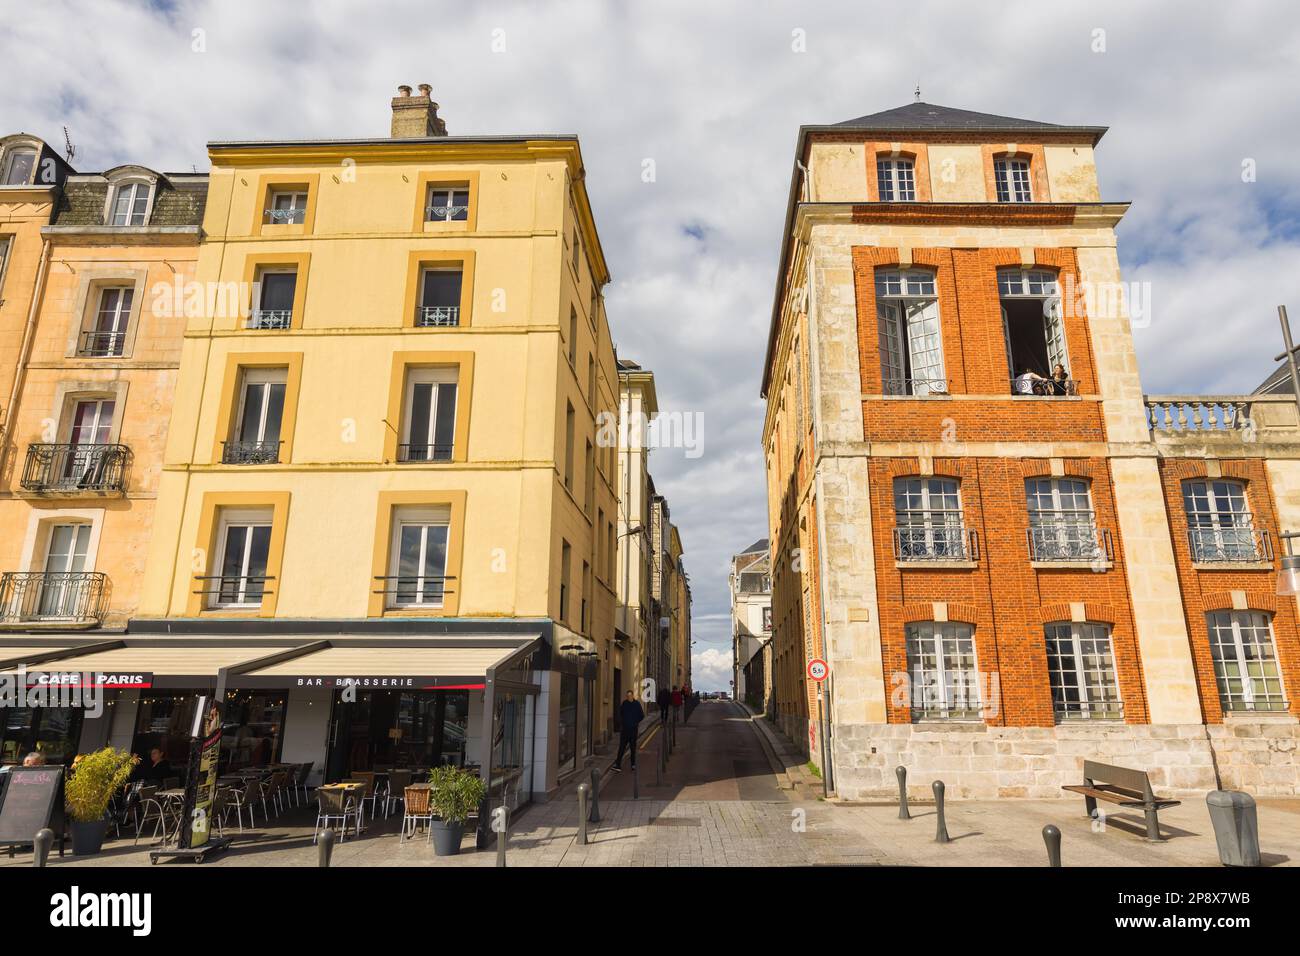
(416, 115)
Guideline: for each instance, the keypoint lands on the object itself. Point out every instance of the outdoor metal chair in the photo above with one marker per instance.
(398, 781)
(240, 800)
(336, 805)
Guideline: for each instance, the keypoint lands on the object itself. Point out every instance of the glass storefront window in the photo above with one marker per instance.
(250, 731)
(52, 731)
(415, 729)
(568, 723)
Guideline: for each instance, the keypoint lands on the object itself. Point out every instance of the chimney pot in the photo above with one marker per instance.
(404, 90)
(426, 89)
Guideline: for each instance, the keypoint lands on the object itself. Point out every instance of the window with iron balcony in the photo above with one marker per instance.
(1220, 527)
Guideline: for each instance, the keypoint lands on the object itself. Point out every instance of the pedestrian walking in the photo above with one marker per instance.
(664, 700)
(630, 715)
(677, 701)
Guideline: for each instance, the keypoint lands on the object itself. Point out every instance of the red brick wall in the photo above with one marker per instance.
(1205, 589)
(1004, 597)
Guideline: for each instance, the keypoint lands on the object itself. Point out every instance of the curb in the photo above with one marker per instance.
(769, 750)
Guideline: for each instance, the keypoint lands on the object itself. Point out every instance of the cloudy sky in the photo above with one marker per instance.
(714, 93)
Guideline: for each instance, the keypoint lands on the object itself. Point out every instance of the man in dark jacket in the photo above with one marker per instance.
(664, 700)
(630, 715)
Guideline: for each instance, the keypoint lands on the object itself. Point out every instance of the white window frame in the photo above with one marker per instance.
(425, 519)
(1229, 532)
(115, 194)
(1043, 286)
(1069, 523)
(954, 695)
(910, 332)
(1088, 647)
(12, 154)
(121, 323)
(259, 376)
(435, 376)
(1012, 177)
(449, 314)
(1269, 669)
(229, 520)
(943, 529)
(259, 319)
(896, 179)
(296, 210)
(451, 211)
(99, 401)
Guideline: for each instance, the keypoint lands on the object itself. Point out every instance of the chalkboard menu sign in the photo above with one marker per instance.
(33, 799)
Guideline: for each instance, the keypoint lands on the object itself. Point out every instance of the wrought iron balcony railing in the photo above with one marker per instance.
(98, 469)
(280, 217)
(457, 213)
(233, 590)
(915, 386)
(1044, 386)
(934, 536)
(76, 598)
(1067, 535)
(416, 453)
(102, 344)
(250, 452)
(1228, 543)
(429, 316)
(270, 319)
(411, 591)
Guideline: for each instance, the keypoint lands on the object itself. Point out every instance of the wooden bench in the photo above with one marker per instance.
(1128, 788)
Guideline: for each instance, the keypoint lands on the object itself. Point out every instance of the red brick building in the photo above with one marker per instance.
(1011, 558)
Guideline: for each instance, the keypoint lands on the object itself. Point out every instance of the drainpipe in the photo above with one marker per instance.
(25, 350)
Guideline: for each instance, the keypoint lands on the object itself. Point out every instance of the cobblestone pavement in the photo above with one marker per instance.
(734, 796)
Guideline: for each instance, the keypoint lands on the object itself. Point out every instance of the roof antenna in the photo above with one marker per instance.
(917, 94)
(68, 149)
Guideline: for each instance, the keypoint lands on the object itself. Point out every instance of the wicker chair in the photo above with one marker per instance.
(336, 804)
(417, 808)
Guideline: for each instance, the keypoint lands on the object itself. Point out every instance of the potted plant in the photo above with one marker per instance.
(454, 795)
(92, 780)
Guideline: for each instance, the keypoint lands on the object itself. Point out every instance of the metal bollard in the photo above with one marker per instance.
(903, 812)
(595, 792)
(41, 846)
(582, 813)
(1052, 837)
(941, 829)
(501, 823)
(636, 783)
(325, 848)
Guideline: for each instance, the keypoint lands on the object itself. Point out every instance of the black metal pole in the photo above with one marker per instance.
(41, 846)
(325, 848)
(941, 827)
(582, 814)
(1052, 837)
(903, 812)
(595, 789)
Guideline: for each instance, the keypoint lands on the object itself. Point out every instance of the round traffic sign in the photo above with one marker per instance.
(818, 669)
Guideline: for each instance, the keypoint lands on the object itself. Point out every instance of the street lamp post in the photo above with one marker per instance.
(1288, 579)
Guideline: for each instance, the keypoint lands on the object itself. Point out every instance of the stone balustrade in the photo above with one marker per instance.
(1203, 415)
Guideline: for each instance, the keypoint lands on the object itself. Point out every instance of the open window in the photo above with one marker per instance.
(1033, 326)
(429, 417)
(108, 324)
(273, 298)
(911, 343)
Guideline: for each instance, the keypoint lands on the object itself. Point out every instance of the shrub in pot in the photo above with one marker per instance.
(92, 780)
(454, 795)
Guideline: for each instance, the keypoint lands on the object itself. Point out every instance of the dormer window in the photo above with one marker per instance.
(1011, 178)
(130, 205)
(19, 165)
(896, 179)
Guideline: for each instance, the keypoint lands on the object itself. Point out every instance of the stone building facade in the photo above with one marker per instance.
(1011, 558)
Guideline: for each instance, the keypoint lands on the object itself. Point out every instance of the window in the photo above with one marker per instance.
(19, 165)
(595, 303)
(287, 207)
(1062, 526)
(1082, 671)
(430, 418)
(5, 242)
(274, 294)
(941, 660)
(573, 337)
(586, 598)
(244, 543)
(1219, 527)
(419, 557)
(440, 290)
(911, 344)
(66, 553)
(896, 180)
(767, 620)
(1011, 177)
(564, 580)
(591, 380)
(928, 520)
(107, 336)
(1034, 332)
(577, 251)
(568, 448)
(447, 204)
(1245, 664)
(92, 422)
(261, 411)
(589, 479)
(130, 204)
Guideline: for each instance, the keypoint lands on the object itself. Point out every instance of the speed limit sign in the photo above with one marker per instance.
(818, 669)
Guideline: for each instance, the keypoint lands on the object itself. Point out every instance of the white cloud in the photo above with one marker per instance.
(714, 94)
(711, 669)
